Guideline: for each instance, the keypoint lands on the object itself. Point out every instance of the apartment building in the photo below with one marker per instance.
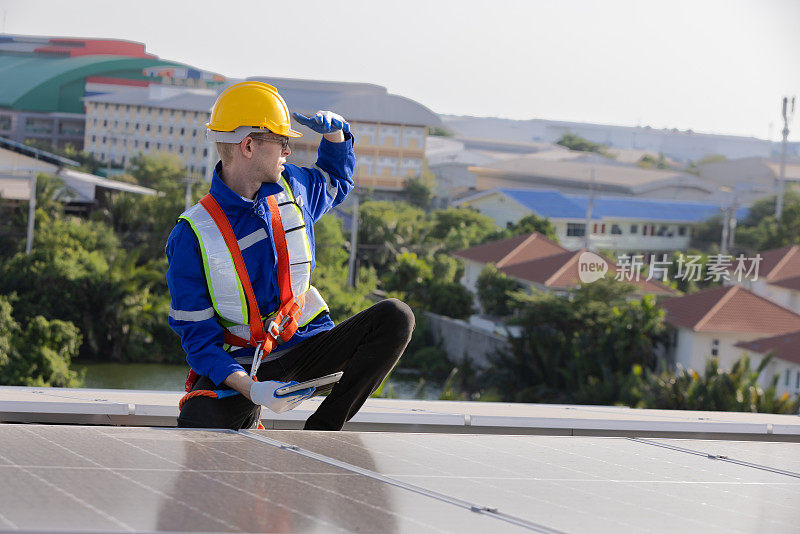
(148, 120)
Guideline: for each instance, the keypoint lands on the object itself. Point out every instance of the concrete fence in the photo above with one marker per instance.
(460, 339)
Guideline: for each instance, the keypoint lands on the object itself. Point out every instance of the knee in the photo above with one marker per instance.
(396, 313)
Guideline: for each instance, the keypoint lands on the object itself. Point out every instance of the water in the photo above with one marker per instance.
(167, 377)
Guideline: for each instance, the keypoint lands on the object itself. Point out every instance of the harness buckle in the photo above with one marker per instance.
(256, 360)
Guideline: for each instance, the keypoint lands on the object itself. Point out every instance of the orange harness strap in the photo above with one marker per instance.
(284, 324)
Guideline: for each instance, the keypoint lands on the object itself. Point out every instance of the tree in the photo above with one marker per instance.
(39, 354)
(494, 289)
(576, 142)
(387, 229)
(459, 228)
(578, 349)
(533, 223)
(330, 273)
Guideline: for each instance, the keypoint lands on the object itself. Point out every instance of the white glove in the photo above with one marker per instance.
(263, 393)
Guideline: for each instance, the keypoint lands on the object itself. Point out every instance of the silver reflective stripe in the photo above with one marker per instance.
(191, 316)
(301, 277)
(313, 306)
(330, 183)
(296, 242)
(223, 282)
(252, 239)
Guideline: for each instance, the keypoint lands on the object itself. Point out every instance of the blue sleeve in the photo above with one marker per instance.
(191, 314)
(331, 179)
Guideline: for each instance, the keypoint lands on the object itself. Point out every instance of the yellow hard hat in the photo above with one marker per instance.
(248, 107)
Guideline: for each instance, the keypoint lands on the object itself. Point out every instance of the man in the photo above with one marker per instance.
(239, 268)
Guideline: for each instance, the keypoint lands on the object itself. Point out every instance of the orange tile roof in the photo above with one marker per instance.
(513, 250)
(730, 309)
(561, 271)
(776, 264)
(786, 346)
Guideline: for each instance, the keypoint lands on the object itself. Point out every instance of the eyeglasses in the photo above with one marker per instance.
(281, 140)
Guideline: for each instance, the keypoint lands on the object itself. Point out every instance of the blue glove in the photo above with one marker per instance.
(324, 122)
(263, 393)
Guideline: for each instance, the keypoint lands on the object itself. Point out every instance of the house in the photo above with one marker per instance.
(622, 224)
(718, 321)
(20, 164)
(786, 361)
(537, 262)
(778, 276)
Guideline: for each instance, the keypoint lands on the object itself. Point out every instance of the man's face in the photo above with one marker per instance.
(270, 153)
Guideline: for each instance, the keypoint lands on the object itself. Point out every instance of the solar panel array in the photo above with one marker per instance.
(144, 479)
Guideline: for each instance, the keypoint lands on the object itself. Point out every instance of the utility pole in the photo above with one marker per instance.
(589, 209)
(31, 213)
(351, 263)
(187, 199)
(787, 112)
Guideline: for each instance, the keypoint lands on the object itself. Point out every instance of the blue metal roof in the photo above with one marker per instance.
(557, 205)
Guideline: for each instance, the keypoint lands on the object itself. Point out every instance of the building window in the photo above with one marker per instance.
(170, 130)
(616, 230)
(183, 131)
(797, 381)
(662, 231)
(34, 125)
(576, 229)
(94, 138)
(634, 228)
(159, 128)
(715, 347)
(681, 230)
(786, 379)
(205, 153)
(146, 144)
(147, 128)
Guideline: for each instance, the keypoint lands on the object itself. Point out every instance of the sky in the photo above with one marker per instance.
(713, 66)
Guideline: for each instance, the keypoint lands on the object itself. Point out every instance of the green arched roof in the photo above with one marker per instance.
(40, 83)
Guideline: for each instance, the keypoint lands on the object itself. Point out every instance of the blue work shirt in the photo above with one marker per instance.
(191, 316)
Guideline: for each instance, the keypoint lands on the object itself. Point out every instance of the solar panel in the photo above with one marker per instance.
(145, 479)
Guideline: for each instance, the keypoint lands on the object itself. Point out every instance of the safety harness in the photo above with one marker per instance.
(230, 288)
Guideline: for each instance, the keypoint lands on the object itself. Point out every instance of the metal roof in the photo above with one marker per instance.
(556, 205)
(354, 101)
(36, 82)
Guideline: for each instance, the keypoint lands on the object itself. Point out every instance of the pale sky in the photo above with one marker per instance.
(716, 66)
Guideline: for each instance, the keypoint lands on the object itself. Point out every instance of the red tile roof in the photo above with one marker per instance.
(514, 250)
(561, 271)
(786, 346)
(730, 309)
(776, 264)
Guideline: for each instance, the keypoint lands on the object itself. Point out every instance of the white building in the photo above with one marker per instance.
(622, 224)
(718, 322)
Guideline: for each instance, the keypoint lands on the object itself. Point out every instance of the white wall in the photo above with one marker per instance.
(788, 298)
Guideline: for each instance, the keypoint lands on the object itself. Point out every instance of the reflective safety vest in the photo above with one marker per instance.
(229, 285)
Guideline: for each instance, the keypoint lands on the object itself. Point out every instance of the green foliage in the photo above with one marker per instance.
(421, 190)
(579, 349)
(649, 162)
(736, 390)
(532, 223)
(576, 142)
(494, 289)
(460, 228)
(440, 131)
(39, 354)
(387, 229)
(694, 166)
(330, 274)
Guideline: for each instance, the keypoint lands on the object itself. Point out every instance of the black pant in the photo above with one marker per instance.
(366, 347)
